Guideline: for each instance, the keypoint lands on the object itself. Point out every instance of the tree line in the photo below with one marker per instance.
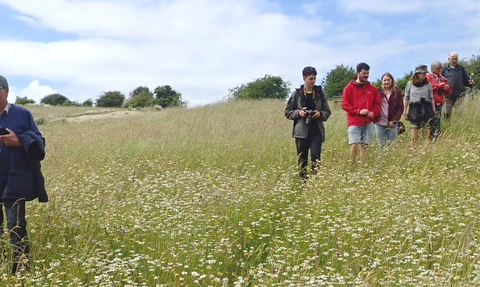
(164, 96)
(333, 83)
(269, 86)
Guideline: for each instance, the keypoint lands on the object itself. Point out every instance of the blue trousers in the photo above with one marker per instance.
(385, 135)
(17, 227)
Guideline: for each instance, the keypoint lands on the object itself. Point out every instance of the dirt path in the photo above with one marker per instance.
(112, 115)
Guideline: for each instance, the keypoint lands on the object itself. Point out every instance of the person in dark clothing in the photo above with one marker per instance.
(22, 148)
(308, 108)
(458, 79)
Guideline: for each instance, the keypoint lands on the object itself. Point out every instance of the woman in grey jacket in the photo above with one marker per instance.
(308, 108)
(419, 104)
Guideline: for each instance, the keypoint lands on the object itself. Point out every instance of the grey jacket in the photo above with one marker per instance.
(295, 104)
(415, 94)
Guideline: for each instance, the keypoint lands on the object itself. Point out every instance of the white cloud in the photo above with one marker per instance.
(386, 6)
(34, 91)
(201, 47)
(26, 19)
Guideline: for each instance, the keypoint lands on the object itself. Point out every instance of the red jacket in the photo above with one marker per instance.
(357, 97)
(435, 80)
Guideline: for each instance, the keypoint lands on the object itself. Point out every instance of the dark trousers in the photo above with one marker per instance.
(314, 144)
(435, 127)
(17, 229)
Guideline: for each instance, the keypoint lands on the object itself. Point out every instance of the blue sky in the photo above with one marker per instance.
(202, 48)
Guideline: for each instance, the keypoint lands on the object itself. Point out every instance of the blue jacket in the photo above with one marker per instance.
(20, 169)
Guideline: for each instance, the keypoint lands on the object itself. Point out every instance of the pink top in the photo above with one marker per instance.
(383, 120)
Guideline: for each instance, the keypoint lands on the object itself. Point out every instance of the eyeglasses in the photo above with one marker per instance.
(309, 68)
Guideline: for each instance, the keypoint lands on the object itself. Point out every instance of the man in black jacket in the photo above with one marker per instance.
(308, 108)
(458, 79)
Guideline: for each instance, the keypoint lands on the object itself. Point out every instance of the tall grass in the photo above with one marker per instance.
(209, 196)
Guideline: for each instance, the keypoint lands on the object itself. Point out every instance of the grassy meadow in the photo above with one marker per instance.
(209, 196)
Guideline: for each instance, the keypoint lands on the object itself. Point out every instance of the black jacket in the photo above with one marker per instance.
(421, 113)
(457, 78)
(295, 104)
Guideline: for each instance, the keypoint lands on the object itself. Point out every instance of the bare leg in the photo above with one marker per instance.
(354, 152)
(426, 133)
(363, 153)
(413, 136)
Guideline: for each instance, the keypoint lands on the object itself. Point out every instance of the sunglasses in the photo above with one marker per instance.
(309, 69)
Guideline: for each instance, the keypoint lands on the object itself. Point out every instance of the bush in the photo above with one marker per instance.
(23, 101)
(143, 99)
(69, 103)
(336, 80)
(165, 96)
(140, 97)
(272, 87)
(54, 99)
(110, 99)
(40, 121)
(88, 103)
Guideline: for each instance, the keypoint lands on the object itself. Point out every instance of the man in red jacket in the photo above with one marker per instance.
(361, 101)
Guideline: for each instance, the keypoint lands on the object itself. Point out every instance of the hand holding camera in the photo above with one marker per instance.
(310, 114)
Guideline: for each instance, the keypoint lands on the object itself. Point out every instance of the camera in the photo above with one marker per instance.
(310, 113)
(439, 91)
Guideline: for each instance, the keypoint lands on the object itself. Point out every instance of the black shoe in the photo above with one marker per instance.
(303, 175)
(21, 264)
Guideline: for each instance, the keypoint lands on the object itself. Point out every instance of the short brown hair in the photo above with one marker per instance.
(362, 66)
(309, 70)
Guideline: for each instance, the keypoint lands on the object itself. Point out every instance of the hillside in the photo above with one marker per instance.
(209, 196)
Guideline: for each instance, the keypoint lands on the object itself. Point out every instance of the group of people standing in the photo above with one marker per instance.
(428, 96)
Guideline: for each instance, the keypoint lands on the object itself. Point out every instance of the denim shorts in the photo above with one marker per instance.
(361, 134)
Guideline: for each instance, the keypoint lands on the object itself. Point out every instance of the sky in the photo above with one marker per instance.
(203, 48)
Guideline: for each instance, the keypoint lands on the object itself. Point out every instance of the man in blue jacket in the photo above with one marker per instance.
(22, 148)
(458, 79)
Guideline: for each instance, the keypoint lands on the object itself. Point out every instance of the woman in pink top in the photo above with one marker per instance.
(391, 109)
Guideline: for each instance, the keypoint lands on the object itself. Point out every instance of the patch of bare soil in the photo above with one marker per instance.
(112, 115)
